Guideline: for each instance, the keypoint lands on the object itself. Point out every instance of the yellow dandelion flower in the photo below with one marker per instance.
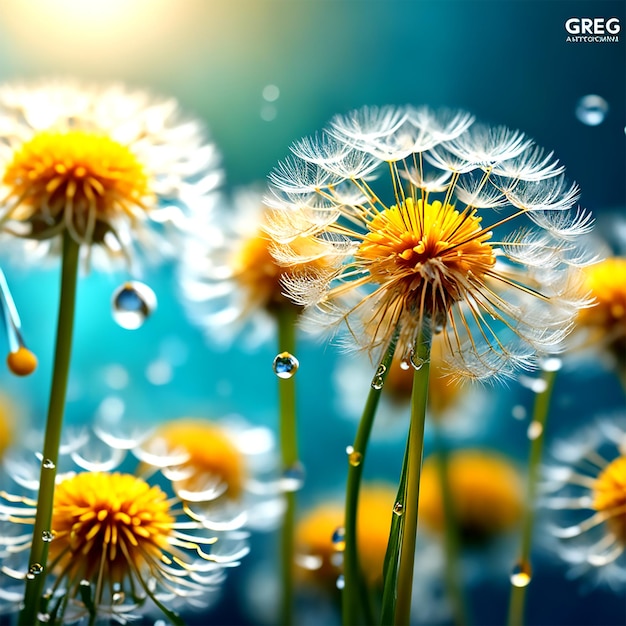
(434, 248)
(605, 320)
(317, 552)
(487, 495)
(109, 166)
(586, 489)
(119, 544)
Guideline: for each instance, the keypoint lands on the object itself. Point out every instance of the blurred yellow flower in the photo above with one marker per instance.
(586, 487)
(316, 550)
(605, 320)
(211, 455)
(487, 494)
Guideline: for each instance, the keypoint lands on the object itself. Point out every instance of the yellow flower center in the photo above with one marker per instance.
(77, 176)
(212, 454)
(111, 521)
(427, 245)
(487, 495)
(610, 496)
(607, 283)
(258, 272)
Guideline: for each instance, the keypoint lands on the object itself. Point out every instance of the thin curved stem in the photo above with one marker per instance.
(419, 397)
(52, 439)
(288, 437)
(451, 533)
(539, 417)
(355, 592)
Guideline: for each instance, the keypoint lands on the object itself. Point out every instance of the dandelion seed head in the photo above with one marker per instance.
(438, 235)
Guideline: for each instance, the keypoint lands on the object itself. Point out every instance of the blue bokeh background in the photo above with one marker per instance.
(506, 62)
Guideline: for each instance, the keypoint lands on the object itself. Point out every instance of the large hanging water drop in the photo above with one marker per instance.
(132, 304)
(592, 109)
(285, 365)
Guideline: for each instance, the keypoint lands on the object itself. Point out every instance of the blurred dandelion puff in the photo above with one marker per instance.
(585, 493)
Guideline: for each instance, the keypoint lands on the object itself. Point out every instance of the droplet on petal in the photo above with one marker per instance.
(132, 304)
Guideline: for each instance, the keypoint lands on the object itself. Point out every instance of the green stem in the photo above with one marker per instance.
(540, 415)
(54, 422)
(451, 532)
(289, 458)
(355, 592)
(419, 397)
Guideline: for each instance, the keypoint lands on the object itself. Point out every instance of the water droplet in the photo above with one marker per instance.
(592, 109)
(48, 464)
(416, 361)
(550, 364)
(47, 536)
(132, 304)
(35, 569)
(43, 617)
(382, 368)
(378, 382)
(355, 458)
(398, 508)
(85, 583)
(293, 478)
(285, 365)
(535, 430)
(118, 597)
(521, 574)
(339, 539)
(341, 582)
(336, 559)
(519, 412)
(405, 364)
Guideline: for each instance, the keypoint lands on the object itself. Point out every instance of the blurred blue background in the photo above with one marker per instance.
(506, 62)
